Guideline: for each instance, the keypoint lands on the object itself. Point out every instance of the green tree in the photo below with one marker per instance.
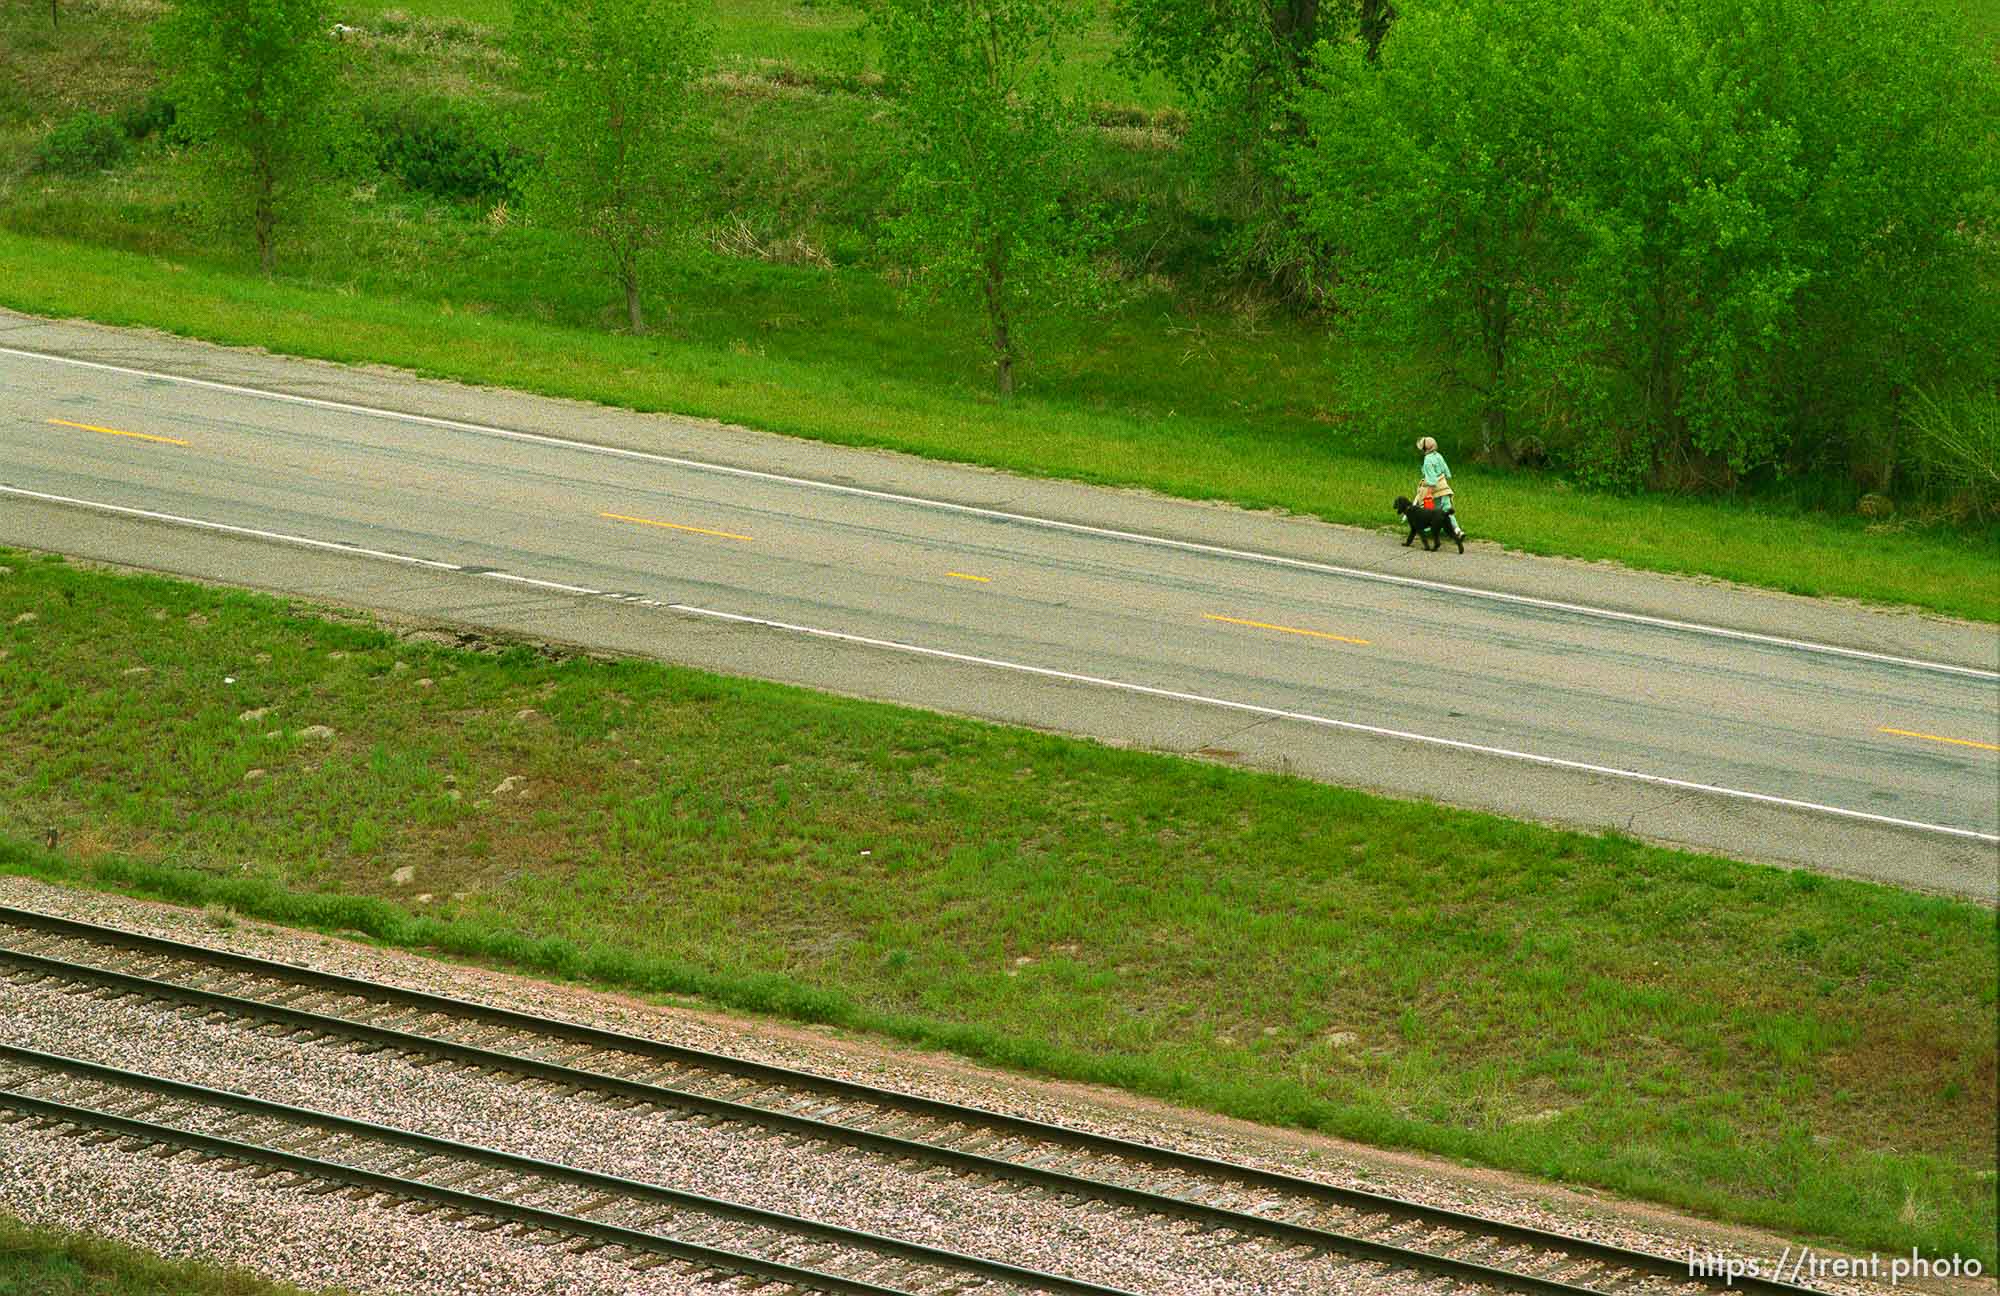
(1897, 223)
(1680, 243)
(253, 84)
(1427, 184)
(617, 115)
(993, 148)
(1238, 65)
(1243, 58)
(1682, 195)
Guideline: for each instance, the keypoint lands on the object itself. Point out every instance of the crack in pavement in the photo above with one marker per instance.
(1214, 744)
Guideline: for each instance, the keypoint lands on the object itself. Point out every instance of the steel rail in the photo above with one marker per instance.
(901, 1149)
(1357, 1199)
(574, 1175)
(470, 1203)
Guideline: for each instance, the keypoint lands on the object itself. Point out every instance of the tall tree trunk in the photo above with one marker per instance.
(264, 213)
(1376, 15)
(1663, 401)
(1492, 306)
(625, 235)
(1492, 428)
(1493, 419)
(629, 274)
(1294, 30)
(994, 281)
(1003, 352)
(1296, 25)
(266, 222)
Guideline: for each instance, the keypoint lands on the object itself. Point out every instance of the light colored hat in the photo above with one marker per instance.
(1427, 444)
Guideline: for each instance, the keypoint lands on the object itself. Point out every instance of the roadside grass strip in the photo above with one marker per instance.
(1769, 1047)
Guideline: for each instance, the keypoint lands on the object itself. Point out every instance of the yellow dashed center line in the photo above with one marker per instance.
(136, 436)
(983, 580)
(1956, 742)
(673, 526)
(1265, 625)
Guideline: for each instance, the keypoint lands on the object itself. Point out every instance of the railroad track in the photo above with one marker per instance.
(714, 1236)
(1390, 1235)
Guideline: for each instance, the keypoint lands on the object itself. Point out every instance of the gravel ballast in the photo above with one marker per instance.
(834, 1184)
(194, 1212)
(840, 1185)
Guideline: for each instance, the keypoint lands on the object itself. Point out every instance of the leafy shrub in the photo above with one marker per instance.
(1683, 243)
(154, 116)
(83, 144)
(1953, 449)
(849, 248)
(447, 151)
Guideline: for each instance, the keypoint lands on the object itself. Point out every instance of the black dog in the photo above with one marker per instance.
(1434, 524)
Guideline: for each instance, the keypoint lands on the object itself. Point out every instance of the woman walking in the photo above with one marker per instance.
(1437, 483)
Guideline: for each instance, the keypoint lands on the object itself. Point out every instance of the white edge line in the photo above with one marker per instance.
(1352, 726)
(1111, 533)
(332, 546)
(943, 654)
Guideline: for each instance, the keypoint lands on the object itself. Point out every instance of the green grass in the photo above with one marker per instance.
(497, 14)
(819, 37)
(1776, 1048)
(46, 1262)
(1981, 18)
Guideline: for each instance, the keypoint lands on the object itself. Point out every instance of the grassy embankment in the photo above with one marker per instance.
(43, 1262)
(1770, 1047)
(784, 319)
(813, 35)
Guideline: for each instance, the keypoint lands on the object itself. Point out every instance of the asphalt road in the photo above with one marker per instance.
(1793, 731)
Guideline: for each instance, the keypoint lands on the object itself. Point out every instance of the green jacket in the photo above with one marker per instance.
(1436, 471)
